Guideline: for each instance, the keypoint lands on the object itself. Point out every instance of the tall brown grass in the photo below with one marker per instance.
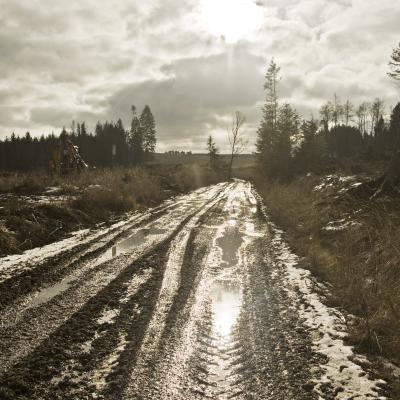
(89, 197)
(361, 263)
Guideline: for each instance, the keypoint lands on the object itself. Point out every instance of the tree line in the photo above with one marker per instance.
(110, 144)
(288, 144)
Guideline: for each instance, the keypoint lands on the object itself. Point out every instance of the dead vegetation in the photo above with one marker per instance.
(352, 244)
(38, 208)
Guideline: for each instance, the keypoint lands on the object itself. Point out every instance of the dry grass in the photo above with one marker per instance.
(115, 191)
(90, 197)
(360, 262)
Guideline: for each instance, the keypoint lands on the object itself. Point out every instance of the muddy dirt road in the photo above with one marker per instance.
(187, 301)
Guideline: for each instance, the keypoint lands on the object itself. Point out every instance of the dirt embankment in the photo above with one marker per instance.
(351, 243)
(37, 209)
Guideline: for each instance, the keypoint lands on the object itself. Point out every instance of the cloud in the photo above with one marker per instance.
(194, 95)
(86, 60)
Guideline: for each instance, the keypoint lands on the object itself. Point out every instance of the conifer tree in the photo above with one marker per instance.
(136, 139)
(268, 128)
(148, 128)
(212, 152)
(394, 63)
(287, 127)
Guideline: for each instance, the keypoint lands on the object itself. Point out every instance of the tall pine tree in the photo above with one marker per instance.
(148, 127)
(136, 141)
(267, 129)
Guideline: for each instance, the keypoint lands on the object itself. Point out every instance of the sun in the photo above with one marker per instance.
(232, 19)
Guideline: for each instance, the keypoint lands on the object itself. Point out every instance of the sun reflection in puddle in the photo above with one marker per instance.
(226, 301)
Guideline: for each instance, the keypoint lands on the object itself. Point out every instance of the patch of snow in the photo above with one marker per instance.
(331, 181)
(18, 263)
(350, 178)
(53, 189)
(14, 265)
(340, 225)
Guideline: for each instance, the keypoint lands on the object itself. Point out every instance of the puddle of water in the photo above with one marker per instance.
(226, 300)
(46, 294)
(137, 239)
(229, 244)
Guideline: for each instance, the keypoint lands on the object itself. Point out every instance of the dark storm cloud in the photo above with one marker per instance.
(86, 60)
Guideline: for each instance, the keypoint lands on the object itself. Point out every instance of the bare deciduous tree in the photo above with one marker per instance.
(236, 140)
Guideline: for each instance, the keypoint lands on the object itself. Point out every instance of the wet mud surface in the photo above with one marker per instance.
(189, 305)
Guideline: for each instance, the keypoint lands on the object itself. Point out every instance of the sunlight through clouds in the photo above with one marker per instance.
(190, 60)
(233, 20)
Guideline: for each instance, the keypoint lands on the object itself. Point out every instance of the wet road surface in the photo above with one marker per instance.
(188, 304)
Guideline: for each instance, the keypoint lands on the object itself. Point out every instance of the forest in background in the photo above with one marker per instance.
(288, 144)
(110, 145)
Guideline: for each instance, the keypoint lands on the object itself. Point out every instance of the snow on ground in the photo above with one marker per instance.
(47, 198)
(17, 263)
(340, 224)
(342, 370)
(333, 181)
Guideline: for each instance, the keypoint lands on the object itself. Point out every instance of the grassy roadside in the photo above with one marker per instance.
(353, 245)
(37, 208)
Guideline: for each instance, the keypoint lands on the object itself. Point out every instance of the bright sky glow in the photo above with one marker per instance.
(232, 19)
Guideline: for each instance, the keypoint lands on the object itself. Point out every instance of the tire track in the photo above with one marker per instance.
(180, 367)
(58, 328)
(201, 311)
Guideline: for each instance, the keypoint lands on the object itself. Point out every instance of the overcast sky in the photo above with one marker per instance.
(193, 62)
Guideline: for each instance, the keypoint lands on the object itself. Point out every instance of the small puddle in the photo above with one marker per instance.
(125, 245)
(226, 292)
(226, 300)
(137, 239)
(46, 294)
(229, 244)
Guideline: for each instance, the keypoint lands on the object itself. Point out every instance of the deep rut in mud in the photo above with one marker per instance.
(191, 307)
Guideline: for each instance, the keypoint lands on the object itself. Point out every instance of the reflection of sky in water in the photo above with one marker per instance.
(138, 238)
(225, 294)
(225, 307)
